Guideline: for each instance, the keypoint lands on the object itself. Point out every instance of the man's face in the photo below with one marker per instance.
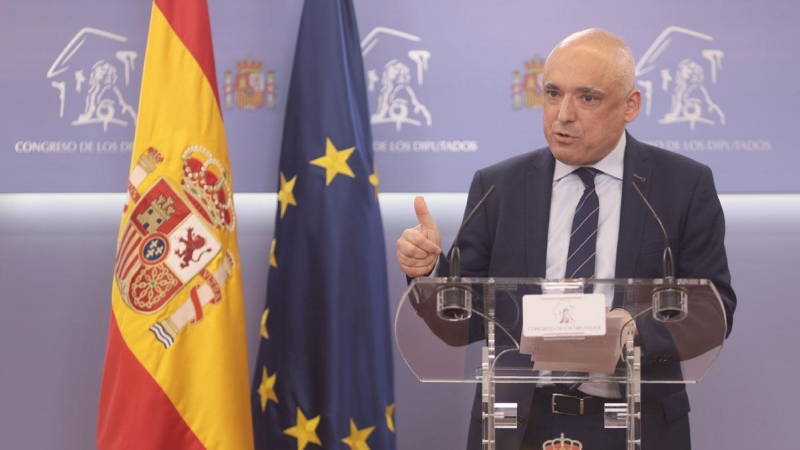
(585, 108)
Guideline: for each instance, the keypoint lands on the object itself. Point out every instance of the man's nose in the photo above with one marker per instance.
(566, 110)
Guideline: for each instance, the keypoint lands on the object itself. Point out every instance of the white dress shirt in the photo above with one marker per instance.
(567, 191)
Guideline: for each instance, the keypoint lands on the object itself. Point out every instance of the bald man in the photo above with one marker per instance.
(524, 231)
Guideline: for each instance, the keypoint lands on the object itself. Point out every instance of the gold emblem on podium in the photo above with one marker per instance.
(562, 443)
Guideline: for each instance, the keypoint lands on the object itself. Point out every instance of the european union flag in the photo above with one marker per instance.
(324, 368)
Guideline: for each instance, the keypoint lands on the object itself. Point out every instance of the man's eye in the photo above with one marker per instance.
(589, 98)
(552, 94)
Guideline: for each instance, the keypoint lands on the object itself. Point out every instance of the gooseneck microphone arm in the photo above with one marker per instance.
(670, 301)
(669, 263)
(454, 298)
(455, 253)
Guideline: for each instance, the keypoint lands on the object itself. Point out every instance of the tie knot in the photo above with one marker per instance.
(587, 175)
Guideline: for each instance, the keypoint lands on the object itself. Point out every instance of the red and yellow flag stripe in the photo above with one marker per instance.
(176, 373)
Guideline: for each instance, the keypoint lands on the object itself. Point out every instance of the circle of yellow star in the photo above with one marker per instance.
(264, 332)
(358, 438)
(286, 194)
(273, 261)
(305, 431)
(390, 417)
(266, 390)
(334, 162)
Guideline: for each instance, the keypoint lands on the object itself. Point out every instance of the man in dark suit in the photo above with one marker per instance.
(524, 229)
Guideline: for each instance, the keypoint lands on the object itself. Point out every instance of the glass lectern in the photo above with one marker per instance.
(471, 330)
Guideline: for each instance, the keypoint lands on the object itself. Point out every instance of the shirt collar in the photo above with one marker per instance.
(613, 164)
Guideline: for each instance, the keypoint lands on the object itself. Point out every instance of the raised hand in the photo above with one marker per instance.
(418, 248)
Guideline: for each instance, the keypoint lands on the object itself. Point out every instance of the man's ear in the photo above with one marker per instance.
(632, 105)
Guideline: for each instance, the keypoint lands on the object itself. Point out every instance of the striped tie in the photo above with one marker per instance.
(583, 240)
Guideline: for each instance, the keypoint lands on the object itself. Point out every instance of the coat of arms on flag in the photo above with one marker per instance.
(169, 240)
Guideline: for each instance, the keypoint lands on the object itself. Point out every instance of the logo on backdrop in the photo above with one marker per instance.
(677, 75)
(92, 78)
(396, 94)
(249, 87)
(526, 90)
(396, 67)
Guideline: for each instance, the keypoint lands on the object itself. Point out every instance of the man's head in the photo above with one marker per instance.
(589, 96)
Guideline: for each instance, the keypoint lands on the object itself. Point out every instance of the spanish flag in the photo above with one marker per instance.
(176, 374)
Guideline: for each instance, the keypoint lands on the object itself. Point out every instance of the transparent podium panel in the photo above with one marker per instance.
(625, 332)
(444, 328)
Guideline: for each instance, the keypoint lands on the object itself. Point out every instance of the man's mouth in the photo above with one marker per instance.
(563, 137)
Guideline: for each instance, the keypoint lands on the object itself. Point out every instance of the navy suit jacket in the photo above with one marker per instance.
(508, 238)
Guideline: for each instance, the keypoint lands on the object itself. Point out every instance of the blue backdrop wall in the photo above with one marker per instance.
(458, 80)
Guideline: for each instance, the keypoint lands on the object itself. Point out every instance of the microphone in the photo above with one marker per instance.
(454, 299)
(670, 301)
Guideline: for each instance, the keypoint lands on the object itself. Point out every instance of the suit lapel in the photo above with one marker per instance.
(633, 213)
(538, 189)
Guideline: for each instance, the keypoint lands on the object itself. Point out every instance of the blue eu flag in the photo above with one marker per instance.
(324, 368)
